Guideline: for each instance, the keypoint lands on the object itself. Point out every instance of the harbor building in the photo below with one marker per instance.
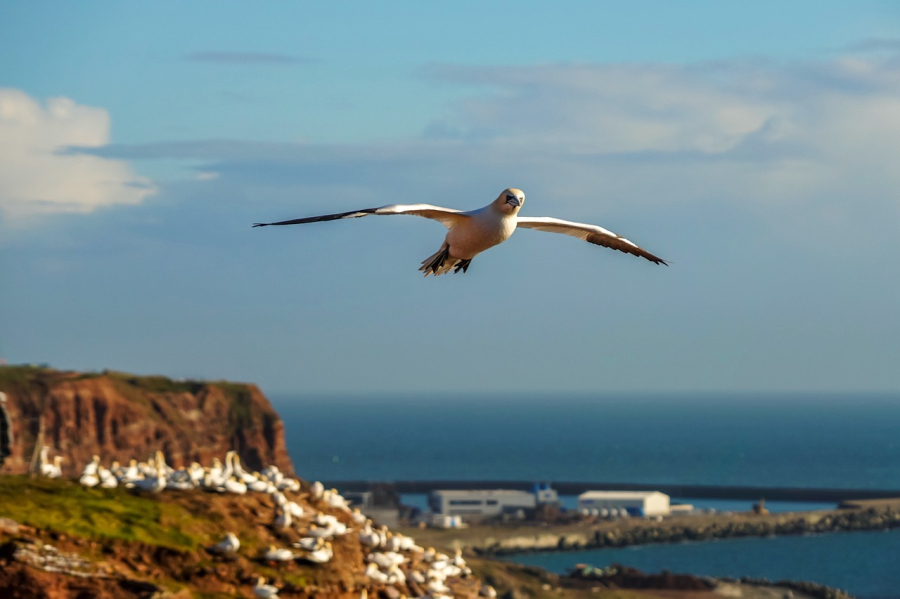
(482, 503)
(635, 503)
(545, 494)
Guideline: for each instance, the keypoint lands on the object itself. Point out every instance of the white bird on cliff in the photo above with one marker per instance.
(107, 478)
(91, 468)
(322, 555)
(329, 521)
(228, 545)
(196, 473)
(288, 484)
(322, 533)
(180, 485)
(408, 544)
(264, 591)
(261, 485)
(50, 469)
(475, 231)
(375, 574)
(290, 506)
(417, 577)
(437, 586)
(282, 519)
(387, 559)
(216, 473)
(272, 473)
(458, 559)
(239, 472)
(89, 476)
(335, 500)
(152, 485)
(233, 485)
(310, 543)
(396, 575)
(148, 468)
(316, 490)
(129, 474)
(274, 554)
(161, 465)
(89, 480)
(369, 537)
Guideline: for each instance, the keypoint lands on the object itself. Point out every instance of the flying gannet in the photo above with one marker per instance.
(475, 231)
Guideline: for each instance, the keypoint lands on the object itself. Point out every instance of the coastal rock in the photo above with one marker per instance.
(689, 528)
(120, 416)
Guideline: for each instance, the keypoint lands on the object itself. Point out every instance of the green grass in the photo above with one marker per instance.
(67, 507)
(156, 384)
(21, 376)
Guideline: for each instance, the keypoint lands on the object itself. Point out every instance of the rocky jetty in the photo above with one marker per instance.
(634, 531)
(120, 416)
(515, 581)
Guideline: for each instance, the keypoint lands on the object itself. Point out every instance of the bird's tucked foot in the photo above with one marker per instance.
(462, 265)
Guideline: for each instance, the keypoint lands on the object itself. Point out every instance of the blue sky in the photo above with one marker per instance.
(753, 145)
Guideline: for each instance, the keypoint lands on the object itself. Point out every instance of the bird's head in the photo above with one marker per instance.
(510, 200)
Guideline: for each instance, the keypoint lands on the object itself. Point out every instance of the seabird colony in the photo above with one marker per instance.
(391, 558)
(472, 232)
(155, 475)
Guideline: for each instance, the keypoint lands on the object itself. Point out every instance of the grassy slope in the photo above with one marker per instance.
(67, 507)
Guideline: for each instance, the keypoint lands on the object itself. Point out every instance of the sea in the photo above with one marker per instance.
(781, 440)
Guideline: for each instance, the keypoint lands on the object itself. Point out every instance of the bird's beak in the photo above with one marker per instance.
(513, 201)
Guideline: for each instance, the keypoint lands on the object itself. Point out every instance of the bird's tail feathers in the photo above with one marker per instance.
(441, 263)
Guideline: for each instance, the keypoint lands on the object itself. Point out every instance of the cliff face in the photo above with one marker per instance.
(119, 416)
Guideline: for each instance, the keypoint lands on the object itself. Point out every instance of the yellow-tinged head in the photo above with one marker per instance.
(510, 200)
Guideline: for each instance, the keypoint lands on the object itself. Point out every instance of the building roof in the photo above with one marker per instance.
(619, 494)
(483, 492)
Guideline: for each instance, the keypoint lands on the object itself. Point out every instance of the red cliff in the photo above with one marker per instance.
(120, 416)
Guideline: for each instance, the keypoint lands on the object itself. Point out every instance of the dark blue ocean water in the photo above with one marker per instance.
(862, 563)
(841, 441)
(799, 441)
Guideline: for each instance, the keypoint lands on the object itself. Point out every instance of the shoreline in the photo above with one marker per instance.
(490, 541)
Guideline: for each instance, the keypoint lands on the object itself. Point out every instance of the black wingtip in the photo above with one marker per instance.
(259, 225)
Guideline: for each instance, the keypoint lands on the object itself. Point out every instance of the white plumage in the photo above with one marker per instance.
(264, 591)
(274, 554)
(470, 233)
(228, 545)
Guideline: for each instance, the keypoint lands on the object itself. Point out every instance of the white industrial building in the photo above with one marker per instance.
(482, 503)
(635, 503)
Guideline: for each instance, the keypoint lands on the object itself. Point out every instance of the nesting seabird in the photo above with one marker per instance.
(475, 231)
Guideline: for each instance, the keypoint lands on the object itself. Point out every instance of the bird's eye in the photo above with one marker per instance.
(510, 197)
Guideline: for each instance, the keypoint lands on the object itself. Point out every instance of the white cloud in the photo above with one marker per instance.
(37, 174)
(759, 133)
(799, 146)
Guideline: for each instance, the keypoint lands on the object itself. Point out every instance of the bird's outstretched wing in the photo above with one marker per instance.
(446, 216)
(590, 233)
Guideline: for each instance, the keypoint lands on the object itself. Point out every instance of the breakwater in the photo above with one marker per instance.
(673, 490)
(676, 530)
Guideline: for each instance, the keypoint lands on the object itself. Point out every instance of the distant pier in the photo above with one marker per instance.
(576, 488)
